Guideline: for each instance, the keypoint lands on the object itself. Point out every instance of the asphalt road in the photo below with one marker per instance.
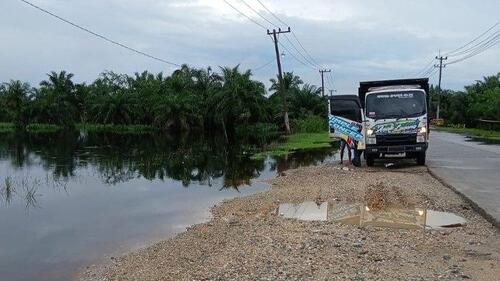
(470, 167)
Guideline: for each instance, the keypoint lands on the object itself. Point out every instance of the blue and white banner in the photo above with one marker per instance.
(345, 126)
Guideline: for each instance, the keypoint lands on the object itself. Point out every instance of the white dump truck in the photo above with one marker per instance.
(396, 124)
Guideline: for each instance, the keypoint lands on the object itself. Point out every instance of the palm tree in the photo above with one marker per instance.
(58, 100)
(60, 82)
(239, 101)
(16, 98)
(289, 81)
(111, 102)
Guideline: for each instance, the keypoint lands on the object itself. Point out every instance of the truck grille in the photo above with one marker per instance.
(402, 139)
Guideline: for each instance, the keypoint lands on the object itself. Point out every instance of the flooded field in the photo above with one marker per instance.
(68, 200)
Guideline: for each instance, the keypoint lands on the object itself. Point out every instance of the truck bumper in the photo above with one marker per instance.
(411, 150)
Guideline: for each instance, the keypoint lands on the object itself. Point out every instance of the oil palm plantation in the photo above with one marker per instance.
(15, 96)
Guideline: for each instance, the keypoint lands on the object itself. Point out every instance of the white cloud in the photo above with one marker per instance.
(359, 39)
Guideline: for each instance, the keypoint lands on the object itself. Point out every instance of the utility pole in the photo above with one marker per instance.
(322, 72)
(440, 65)
(274, 33)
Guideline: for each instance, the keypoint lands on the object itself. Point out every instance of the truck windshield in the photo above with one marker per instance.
(396, 105)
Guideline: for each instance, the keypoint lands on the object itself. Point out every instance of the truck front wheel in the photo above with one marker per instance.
(421, 159)
(370, 160)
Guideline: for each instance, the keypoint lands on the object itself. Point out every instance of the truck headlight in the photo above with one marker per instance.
(422, 134)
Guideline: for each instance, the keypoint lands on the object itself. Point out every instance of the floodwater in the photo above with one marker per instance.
(360, 214)
(69, 200)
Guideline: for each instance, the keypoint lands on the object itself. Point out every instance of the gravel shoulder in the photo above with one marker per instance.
(246, 240)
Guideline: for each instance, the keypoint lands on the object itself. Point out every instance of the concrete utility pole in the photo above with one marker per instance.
(440, 65)
(322, 72)
(274, 33)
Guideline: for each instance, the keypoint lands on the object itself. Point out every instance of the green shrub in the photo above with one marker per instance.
(311, 124)
(262, 133)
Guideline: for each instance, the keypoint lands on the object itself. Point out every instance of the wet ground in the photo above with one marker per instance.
(469, 165)
(248, 240)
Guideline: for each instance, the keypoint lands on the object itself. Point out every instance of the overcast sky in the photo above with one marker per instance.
(359, 40)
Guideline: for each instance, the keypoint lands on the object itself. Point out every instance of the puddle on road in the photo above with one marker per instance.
(307, 211)
(360, 214)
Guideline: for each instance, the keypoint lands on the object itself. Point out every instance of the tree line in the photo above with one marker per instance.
(479, 101)
(188, 99)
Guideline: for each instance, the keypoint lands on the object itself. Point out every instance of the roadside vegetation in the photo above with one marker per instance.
(227, 102)
(295, 142)
(473, 132)
(466, 109)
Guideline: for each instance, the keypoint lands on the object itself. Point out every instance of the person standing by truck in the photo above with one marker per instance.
(343, 145)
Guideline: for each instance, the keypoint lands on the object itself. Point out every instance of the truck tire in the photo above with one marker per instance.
(421, 159)
(370, 160)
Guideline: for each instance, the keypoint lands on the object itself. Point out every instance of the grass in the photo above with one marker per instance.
(7, 127)
(7, 191)
(42, 128)
(93, 128)
(472, 132)
(295, 142)
(31, 128)
(118, 129)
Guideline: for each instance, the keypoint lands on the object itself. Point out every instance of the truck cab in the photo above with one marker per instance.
(396, 120)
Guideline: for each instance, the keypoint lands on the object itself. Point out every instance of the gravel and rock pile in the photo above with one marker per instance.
(246, 240)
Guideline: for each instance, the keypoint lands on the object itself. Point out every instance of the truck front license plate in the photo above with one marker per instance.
(398, 155)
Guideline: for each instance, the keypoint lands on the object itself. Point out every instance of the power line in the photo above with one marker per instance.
(433, 72)
(307, 60)
(305, 50)
(452, 53)
(257, 12)
(263, 27)
(426, 68)
(315, 63)
(329, 80)
(429, 71)
(243, 14)
(272, 14)
(479, 50)
(300, 53)
(479, 45)
(294, 57)
(264, 65)
(99, 35)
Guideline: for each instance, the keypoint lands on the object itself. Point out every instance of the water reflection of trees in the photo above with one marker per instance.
(120, 158)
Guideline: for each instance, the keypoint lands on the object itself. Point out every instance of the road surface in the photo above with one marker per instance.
(471, 168)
